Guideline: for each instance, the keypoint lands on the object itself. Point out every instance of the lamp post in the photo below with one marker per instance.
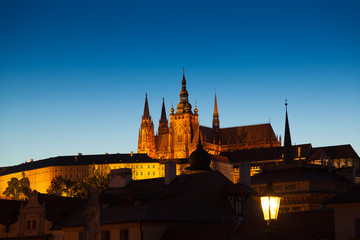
(270, 204)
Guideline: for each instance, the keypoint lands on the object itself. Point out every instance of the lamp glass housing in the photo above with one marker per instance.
(270, 206)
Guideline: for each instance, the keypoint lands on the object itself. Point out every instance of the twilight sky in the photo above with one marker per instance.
(74, 74)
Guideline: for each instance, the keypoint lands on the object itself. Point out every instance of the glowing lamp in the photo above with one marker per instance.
(270, 203)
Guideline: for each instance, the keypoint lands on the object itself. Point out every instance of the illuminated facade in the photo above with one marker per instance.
(178, 139)
(41, 173)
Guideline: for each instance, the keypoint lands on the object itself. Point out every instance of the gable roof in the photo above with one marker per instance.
(334, 152)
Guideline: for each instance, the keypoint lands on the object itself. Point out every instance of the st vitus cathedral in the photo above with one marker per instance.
(179, 138)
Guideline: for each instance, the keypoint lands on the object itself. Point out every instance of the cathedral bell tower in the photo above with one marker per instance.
(183, 125)
(146, 142)
(163, 122)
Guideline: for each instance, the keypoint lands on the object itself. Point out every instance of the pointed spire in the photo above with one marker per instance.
(146, 108)
(288, 154)
(184, 106)
(215, 107)
(163, 112)
(216, 121)
(163, 122)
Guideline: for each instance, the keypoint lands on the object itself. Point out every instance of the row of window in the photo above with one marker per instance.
(141, 173)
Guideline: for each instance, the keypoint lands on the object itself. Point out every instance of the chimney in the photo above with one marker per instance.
(131, 154)
(244, 172)
(170, 172)
(79, 154)
(120, 178)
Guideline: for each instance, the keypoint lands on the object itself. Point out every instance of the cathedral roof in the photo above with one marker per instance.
(263, 154)
(250, 133)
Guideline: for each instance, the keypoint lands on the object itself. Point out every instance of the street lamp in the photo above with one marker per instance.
(270, 204)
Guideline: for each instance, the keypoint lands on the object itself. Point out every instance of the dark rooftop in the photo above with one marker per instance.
(77, 160)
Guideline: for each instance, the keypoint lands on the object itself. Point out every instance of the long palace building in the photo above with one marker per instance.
(178, 139)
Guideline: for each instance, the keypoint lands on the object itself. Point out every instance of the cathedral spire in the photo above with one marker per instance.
(184, 106)
(163, 122)
(163, 112)
(216, 121)
(288, 154)
(146, 108)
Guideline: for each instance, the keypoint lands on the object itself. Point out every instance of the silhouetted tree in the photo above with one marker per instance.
(97, 177)
(18, 189)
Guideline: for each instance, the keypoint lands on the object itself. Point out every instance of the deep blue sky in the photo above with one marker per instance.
(74, 74)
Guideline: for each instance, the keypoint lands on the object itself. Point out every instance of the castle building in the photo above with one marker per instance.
(179, 138)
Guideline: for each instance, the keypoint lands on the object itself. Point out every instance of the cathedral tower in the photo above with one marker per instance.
(146, 143)
(183, 125)
(163, 122)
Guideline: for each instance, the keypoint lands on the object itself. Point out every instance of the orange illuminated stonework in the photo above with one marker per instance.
(178, 139)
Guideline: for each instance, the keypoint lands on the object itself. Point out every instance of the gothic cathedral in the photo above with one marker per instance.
(179, 138)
